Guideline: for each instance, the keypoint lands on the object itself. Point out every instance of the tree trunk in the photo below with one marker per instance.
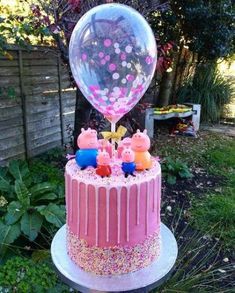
(165, 89)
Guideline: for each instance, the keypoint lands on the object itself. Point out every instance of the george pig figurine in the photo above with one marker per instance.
(128, 164)
(103, 164)
(140, 144)
(125, 143)
(88, 144)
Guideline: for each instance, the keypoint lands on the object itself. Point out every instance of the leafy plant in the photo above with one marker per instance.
(174, 169)
(29, 206)
(209, 89)
(24, 275)
(41, 171)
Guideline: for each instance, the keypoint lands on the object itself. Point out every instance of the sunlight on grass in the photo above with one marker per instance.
(217, 211)
(216, 155)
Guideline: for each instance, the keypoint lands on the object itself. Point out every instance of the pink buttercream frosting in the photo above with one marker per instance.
(112, 214)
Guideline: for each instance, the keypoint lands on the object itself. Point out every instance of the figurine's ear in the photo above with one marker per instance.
(138, 131)
(99, 152)
(89, 128)
(82, 129)
(145, 131)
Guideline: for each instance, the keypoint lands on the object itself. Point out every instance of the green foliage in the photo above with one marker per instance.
(8, 91)
(209, 89)
(217, 212)
(174, 169)
(206, 27)
(25, 276)
(18, 25)
(43, 171)
(29, 206)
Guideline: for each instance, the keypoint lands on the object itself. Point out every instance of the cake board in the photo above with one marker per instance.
(142, 280)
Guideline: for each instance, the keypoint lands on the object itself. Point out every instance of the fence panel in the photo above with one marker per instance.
(37, 103)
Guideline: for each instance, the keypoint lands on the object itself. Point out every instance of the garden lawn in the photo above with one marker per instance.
(209, 197)
(200, 211)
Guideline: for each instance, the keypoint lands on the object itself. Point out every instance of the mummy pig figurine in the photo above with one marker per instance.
(140, 144)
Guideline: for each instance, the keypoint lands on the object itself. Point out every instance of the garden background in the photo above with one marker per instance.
(40, 108)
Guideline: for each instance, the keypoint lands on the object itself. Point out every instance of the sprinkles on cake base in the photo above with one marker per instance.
(112, 260)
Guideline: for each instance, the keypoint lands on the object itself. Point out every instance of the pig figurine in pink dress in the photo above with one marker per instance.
(140, 144)
(105, 145)
(88, 143)
(103, 164)
(125, 143)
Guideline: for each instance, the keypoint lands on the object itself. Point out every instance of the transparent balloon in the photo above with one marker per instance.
(113, 56)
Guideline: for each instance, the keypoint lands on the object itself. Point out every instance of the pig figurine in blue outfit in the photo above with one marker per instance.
(128, 162)
(88, 149)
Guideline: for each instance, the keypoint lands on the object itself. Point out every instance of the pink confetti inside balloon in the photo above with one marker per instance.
(113, 57)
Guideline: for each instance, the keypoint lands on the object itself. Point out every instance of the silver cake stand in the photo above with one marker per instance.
(141, 281)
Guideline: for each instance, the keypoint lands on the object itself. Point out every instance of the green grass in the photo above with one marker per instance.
(216, 212)
(194, 151)
(198, 269)
(222, 161)
(216, 154)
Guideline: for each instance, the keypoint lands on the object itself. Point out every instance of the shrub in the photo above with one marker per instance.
(173, 169)
(209, 89)
(24, 275)
(42, 171)
(27, 207)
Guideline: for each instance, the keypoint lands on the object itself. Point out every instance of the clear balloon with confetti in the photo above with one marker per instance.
(113, 56)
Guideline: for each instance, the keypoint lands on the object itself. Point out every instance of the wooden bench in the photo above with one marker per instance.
(150, 117)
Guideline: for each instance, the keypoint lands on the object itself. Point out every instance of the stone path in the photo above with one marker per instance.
(220, 128)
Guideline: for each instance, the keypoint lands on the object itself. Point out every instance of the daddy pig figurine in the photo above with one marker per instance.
(88, 149)
(103, 162)
(140, 144)
(128, 164)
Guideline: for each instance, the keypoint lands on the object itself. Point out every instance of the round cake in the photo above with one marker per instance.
(113, 223)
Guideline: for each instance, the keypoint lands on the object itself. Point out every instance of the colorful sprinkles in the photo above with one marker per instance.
(112, 260)
(89, 175)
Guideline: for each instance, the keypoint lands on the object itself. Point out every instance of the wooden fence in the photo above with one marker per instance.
(37, 103)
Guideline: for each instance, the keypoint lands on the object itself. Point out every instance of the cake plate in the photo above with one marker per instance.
(141, 281)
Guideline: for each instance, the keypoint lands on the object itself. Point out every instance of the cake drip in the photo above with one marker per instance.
(113, 205)
(128, 208)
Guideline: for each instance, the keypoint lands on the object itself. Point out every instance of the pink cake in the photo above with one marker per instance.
(113, 223)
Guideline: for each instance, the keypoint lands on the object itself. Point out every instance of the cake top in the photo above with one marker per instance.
(89, 175)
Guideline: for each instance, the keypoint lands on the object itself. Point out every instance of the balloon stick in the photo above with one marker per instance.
(113, 129)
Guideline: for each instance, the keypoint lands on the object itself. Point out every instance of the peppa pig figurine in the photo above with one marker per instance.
(103, 164)
(128, 164)
(140, 144)
(88, 144)
(104, 144)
